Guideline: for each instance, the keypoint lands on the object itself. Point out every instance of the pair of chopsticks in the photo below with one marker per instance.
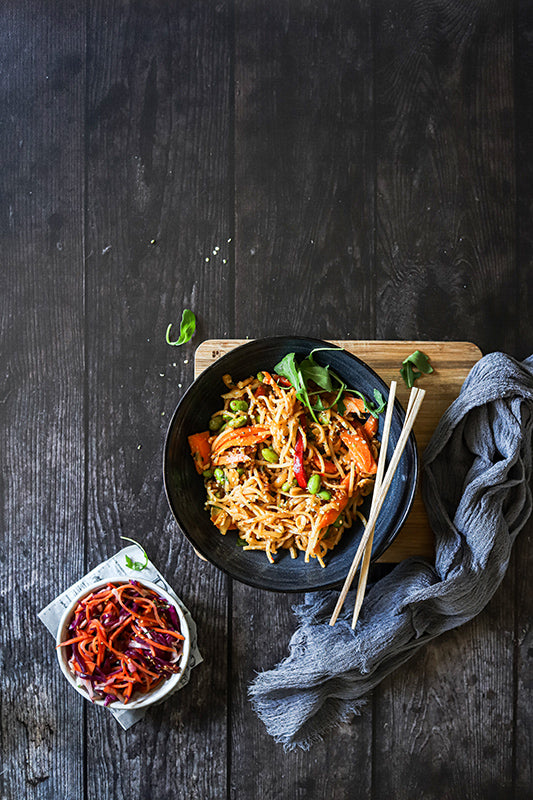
(381, 487)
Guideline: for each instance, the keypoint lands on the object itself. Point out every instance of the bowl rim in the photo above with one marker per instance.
(161, 691)
(398, 407)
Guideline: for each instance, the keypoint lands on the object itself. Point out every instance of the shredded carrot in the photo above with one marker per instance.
(116, 651)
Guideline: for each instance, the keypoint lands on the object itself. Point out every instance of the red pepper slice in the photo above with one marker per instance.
(298, 465)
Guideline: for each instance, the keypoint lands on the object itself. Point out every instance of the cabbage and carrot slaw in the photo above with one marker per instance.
(124, 640)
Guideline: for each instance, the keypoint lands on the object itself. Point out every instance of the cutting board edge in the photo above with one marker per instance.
(473, 351)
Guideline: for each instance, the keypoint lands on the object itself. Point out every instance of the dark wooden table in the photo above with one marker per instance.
(351, 169)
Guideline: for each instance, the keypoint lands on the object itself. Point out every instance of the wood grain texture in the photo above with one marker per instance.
(445, 261)
(445, 181)
(303, 168)
(260, 623)
(352, 169)
(523, 550)
(524, 172)
(452, 362)
(42, 386)
(447, 731)
(158, 204)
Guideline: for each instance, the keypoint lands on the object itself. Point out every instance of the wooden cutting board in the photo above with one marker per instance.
(452, 361)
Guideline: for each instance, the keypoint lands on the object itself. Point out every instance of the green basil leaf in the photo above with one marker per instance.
(419, 360)
(414, 366)
(380, 402)
(314, 372)
(408, 374)
(136, 565)
(288, 368)
(187, 328)
(308, 370)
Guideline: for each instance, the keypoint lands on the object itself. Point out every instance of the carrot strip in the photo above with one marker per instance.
(76, 639)
(371, 427)
(200, 450)
(152, 643)
(240, 437)
(336, 506)
(360, 451)
(170, 633)
(353, 405)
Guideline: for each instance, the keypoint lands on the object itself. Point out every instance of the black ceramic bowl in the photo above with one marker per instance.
(185, 488)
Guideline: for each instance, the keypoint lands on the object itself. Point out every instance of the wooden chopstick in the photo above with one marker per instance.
(365, 566)
(398, 451)
(363, 575)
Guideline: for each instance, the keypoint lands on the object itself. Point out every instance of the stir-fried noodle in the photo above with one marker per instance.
(276, 475)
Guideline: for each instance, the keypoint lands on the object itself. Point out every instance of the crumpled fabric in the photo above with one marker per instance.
(477, 493)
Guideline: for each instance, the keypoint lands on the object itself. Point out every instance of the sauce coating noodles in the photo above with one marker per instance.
(280, 478)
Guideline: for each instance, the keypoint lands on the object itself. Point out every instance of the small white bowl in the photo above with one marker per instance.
(165, 688)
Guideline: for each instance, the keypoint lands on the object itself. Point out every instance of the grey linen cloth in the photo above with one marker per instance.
(476, 476)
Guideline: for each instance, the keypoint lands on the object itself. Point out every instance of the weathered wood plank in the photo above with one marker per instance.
(523, 552)
(445, 261)
(444, 724)
(523, 722)
(445, 178)
(158, 205)
(303, 254)
(42, 386)
(303, 169)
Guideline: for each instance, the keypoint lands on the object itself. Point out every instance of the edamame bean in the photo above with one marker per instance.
(287, 486)
(215, 423)
(324, 494)
(313, 484)
(260, 377)
(219, 474)
(207, 474)
(238, 405)
(237, 422)
(270, 455)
